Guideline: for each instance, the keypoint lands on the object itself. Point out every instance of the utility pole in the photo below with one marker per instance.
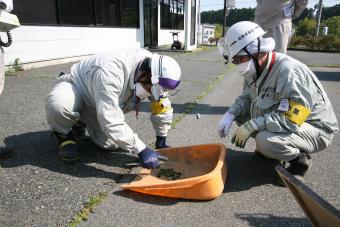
(224, 16)
(318, 19)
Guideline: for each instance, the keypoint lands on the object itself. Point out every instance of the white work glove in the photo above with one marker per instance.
(243, 133)
(225, 124)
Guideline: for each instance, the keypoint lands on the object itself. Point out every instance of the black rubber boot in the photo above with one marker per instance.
(67, 147)
(259, 155)
(79, 129)
(5, 153)
(300, 165)
(297, 167)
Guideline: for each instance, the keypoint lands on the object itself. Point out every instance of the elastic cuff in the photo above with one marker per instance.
(260, 123)
(233, 111)
(160, 134)
(139, 146)
(229, 116)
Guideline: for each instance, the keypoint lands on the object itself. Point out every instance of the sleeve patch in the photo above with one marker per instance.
(161, 106)
(297, 113)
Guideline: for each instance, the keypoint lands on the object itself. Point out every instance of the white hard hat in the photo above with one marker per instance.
(165, 74)
(240, 35)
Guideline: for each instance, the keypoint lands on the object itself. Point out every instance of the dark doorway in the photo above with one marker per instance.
(150, 23)
(193, 22)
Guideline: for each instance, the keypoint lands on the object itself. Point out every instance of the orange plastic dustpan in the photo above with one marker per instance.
(203, 171)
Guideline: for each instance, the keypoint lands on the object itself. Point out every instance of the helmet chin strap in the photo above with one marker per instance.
(256, 61)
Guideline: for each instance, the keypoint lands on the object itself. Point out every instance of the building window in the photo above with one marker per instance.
(172, 14)
(108, 12)
(114, 13)
(36, 12)
(76, 12)
(130, 13)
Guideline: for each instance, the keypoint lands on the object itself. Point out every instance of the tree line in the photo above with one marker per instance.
(304, 26)
(236, 15)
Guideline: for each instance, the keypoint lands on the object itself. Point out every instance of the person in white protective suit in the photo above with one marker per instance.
(275, 17)
(283, 105)
(99, 90)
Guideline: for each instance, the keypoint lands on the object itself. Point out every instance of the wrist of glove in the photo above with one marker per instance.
(225, 124)
(161, 142)
(149, 158)
(243, 133)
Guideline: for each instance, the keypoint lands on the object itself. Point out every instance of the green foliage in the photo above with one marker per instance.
(333, 25)
(212, 17)
(191, 106)
(235, 15)
(306, 27)
(83, 215)
(329, 42)
(218, 31)
(325, 43)
(328, 12)
(15, 67)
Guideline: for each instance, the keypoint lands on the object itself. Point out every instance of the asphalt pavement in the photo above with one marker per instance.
(39, 190)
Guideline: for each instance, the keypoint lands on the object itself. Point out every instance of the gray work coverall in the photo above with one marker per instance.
(278, 137)
(98, 91)
(275, 17)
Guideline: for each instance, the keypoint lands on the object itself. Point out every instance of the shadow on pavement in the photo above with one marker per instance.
(328, 76)
(271, 220)
(38, 149)
(154, 200)
(148, 199)
(199, 108)
(247, 170)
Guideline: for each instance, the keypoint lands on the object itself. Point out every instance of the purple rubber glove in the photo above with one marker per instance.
(149, 158)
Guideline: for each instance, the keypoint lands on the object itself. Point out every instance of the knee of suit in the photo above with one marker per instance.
(263, 144)
(53, 110)
(59, 118)
(275, 147)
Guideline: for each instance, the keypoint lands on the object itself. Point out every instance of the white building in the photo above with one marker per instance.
(206, 31)
(65, 30)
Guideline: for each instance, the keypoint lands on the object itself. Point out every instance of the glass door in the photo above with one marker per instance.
(150, 23)
(193, 22)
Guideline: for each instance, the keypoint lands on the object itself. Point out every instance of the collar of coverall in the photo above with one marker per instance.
(271, 57)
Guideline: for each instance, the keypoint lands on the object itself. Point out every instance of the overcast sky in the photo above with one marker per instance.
(218, 4)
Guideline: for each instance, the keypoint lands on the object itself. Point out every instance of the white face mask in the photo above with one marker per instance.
(246, 67)
(141, 92)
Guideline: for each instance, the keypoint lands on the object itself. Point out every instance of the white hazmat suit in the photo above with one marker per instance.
(98, 91)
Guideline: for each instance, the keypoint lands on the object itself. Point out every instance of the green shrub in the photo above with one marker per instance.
(326, 43)
(14, 68)
(333, 24)
(306, 27)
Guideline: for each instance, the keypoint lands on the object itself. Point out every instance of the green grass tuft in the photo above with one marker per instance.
(83, 215)
(191, 106)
